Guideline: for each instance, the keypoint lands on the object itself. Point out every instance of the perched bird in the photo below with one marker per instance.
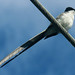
(65, 19)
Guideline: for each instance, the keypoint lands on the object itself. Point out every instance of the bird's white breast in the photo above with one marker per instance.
(66, 20)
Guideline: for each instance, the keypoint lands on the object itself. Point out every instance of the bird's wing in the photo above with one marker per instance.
(51, 31)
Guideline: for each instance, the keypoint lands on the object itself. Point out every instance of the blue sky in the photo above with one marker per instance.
(20, 20)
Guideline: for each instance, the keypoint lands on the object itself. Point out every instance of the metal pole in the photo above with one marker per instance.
(54, 21)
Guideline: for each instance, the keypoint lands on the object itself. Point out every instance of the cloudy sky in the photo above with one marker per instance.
(20, 20)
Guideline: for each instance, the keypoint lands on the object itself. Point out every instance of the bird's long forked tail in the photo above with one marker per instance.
(22, 48)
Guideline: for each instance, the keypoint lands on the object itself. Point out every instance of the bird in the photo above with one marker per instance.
(66, 19)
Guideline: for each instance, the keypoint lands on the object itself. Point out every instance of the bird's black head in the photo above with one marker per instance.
(69, 9)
